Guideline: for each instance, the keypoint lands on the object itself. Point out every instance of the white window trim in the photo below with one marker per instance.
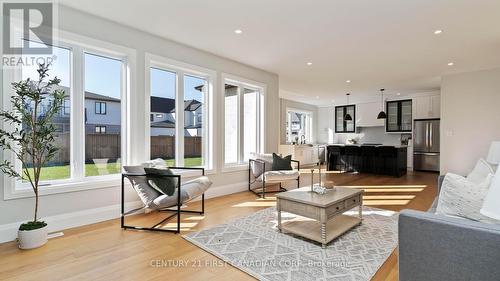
(181, 69)
(77, 43)
(310, 125)
(249, 84)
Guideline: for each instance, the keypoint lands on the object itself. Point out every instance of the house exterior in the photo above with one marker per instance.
(162, 117)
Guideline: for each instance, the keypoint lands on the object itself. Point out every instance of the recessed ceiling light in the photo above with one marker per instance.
(398, 94)
(309, 63)
(348, 81)
(238, 31)
(451, 63)
(317, 97)
(438, 31)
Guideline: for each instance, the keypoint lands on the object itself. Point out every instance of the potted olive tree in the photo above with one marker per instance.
(29, 134)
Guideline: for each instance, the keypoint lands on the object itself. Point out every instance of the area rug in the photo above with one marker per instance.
(254, 245)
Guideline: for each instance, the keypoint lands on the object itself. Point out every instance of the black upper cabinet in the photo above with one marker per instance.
(341, 125)
(399, 116)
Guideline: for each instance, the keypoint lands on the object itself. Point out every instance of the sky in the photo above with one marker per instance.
(102, 76)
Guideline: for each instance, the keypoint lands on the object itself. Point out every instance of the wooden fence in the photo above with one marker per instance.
(109, 146)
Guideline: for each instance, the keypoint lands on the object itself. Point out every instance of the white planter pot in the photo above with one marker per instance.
(29, 239)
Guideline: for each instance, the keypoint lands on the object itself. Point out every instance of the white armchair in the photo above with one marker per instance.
(260, 171)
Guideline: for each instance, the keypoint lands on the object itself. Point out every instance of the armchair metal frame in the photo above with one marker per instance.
(263, 192)
(176, 209)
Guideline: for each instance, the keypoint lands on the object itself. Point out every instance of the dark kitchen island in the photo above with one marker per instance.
(375, 159)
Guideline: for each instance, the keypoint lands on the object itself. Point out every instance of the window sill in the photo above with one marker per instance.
(25, 191)
(235, 168)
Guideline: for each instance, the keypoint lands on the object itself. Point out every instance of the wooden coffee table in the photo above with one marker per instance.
(324, 219)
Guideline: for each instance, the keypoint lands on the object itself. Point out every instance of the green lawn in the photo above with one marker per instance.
(63, 172)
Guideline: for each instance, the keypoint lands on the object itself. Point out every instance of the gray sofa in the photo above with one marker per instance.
(435, 247)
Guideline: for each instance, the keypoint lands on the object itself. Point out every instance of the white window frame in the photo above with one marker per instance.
(243, 83)
(309, 128)
(79, 45)
(181, 69)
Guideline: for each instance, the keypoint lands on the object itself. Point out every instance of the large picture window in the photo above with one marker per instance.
(243, 109)
(179, 115)
(89, 126)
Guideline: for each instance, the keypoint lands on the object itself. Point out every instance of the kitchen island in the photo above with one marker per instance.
(376, 159)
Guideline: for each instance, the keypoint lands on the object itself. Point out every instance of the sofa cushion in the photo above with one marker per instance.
(189, 190)
(462, 198)
(145, 192)
(155, 163)
(480, 171)
(280, 175)
(257, 168)
(282, 163)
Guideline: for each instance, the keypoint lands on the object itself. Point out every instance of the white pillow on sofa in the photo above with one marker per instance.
(460, 197)
(480, 171)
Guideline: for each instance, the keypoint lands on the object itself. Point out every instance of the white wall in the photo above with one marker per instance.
(284, 104)
(13, 211)
(470, 118)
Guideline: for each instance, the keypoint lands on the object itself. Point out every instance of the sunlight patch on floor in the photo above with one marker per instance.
(380, 197)
(392, 189)
(385, 202)
(256, 204)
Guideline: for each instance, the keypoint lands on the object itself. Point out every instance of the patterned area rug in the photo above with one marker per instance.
(254, 245)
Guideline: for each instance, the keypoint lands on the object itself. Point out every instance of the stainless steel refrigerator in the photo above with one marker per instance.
(426, 145)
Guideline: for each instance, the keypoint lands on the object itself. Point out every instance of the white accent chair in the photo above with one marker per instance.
(154, 200)
(260, 171)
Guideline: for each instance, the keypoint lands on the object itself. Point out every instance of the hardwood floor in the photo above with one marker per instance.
(103, 251)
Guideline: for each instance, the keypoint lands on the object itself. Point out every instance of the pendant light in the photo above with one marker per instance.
(382, 114)
(348, 117)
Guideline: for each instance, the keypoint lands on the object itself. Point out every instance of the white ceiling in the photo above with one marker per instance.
(383, 43)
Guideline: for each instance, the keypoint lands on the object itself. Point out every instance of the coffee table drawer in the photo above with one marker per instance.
(335, 209)
(352, 202)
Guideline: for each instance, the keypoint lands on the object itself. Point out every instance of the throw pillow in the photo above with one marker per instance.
(164, 185)
(460, 197)
(282, 163)
(490, 206)
(480, 171)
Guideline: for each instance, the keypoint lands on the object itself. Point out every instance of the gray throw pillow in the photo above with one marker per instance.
(164, 185)
(282, 163)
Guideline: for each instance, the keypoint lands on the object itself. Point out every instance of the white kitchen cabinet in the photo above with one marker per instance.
(427, 107)
(366, 115)
(305, 154)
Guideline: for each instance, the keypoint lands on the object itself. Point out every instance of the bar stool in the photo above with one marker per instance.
(387, 155)
(369, 158)
(352, 154)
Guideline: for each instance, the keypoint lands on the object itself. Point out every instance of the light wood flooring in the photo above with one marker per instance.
(103, 251)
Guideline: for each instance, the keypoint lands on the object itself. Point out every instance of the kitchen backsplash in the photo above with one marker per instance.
(370, 135)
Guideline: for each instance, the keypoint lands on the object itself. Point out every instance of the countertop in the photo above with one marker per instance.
(359, 145)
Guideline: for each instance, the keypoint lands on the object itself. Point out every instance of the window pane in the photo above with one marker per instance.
(250, 121)
(231, 124)
(162, 129)
(102, 85)
(300, 125)
(58, 167)
(194, 106)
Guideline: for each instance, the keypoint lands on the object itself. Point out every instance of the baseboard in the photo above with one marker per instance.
(227, 189)
(8, 232)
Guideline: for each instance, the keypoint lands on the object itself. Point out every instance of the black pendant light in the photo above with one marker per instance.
(382, 114)
(348, 116)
